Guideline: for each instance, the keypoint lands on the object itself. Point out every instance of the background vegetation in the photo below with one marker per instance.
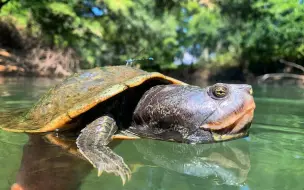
(52, 37)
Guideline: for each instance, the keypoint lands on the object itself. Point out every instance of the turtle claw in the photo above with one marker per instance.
(115, 165)
(104, 159)
(99, 172)
(125, 175)
(123, 179)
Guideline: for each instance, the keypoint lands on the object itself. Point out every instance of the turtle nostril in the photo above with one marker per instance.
(250, 91)
(247, 88)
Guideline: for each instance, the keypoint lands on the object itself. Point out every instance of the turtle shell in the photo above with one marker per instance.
(79, 93)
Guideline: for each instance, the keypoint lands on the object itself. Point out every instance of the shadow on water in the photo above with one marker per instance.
(53, 163)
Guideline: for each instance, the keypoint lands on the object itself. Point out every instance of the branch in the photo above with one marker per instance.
(278, 76)
(292, 64)
(3, 3)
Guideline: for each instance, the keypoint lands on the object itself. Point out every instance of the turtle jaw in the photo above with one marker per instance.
(244, 132)
(236, 125)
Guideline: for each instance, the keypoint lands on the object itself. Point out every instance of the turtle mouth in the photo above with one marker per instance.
(236, 125)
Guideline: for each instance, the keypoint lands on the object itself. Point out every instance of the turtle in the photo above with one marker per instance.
(124, 102)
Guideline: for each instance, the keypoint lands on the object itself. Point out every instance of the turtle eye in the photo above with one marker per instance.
(219, 91)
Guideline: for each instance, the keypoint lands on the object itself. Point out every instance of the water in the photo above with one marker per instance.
(272, 157)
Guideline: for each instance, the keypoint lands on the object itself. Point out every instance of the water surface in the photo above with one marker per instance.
(272, 157)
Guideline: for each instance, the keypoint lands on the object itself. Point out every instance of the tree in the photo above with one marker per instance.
(251, 34)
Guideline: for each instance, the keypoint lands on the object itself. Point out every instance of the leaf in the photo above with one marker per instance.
(61, 8)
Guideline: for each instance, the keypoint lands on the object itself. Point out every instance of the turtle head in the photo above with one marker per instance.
(225, 111)
(190, 114)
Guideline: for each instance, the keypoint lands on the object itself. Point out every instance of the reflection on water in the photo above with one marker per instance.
(166, 165)
(58, 166)
(271, 157)
(49, 167)
(225, 163)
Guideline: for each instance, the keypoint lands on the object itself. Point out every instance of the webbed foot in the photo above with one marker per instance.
(92, 143)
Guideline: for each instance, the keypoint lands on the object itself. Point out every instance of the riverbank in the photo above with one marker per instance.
(51, 64)
(46, 63)
(192, 75)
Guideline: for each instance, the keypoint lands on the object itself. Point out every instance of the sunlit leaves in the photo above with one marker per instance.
(13, 10)
(61, 8)
(119, 5)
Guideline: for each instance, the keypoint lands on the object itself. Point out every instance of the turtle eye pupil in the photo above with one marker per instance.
(219, 91)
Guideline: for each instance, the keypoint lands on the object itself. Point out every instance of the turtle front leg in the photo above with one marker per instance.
(92, 143)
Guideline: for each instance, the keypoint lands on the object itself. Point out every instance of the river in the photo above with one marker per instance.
(272, 157)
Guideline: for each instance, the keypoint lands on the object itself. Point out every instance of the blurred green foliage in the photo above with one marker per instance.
(252, 34)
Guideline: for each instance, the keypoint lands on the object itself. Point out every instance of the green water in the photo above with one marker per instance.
(272, 157)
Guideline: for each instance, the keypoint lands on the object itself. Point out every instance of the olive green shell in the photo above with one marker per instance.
(78, 94)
